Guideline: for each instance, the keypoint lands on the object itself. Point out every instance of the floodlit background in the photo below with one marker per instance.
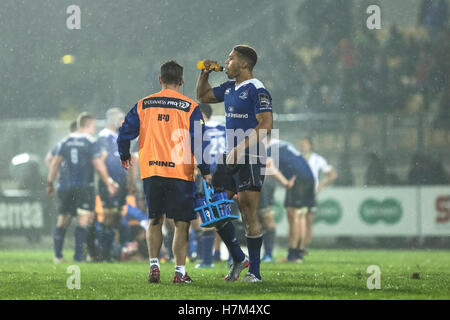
(375, 102)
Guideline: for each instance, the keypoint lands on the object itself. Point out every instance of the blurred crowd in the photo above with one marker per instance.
(341, 66)
(423, 170)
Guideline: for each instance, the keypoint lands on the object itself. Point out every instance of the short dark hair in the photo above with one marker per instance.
(73, 126)
(248, 53)
(171, 72)
(206, 109)
(83, 119)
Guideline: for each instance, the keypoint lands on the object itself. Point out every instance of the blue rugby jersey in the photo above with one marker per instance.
(107, 142)
(242, 104)
(63, 169)
(290, 161)
(78, 150)
(214, 143)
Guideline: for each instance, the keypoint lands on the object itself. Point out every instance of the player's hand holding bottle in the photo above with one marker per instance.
(208, 66)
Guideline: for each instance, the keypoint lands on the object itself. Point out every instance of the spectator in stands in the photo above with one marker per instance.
(442, 120)
(434, 16)
(310, 13)
(420, 170)
(345, 177)
(368, 73)
(440, 176)
(426, 171)
(376, 172)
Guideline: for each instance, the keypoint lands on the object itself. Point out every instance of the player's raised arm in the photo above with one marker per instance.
(204, 90)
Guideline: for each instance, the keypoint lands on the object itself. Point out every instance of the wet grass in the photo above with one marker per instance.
(325, 274)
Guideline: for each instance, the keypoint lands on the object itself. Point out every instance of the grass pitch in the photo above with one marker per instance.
(325, 274)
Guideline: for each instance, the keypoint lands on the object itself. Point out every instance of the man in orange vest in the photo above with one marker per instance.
(165, 123)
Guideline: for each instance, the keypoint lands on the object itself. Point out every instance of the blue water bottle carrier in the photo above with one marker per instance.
(214, 208)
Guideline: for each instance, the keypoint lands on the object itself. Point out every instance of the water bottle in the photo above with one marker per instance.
(224, 207)
(215, 66)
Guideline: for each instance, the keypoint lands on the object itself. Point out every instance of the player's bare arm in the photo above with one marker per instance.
(272, 170)
(331, 176)
(204, 90)
(100, 166)
(132, 175)
(53, 170)
(48, 159)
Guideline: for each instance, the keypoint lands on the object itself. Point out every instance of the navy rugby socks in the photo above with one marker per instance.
(254, 245)
(80, 240)
(91, 232)
(106, 239)
(228, 235)
(207, 247)
(268, 242)
(216, 255)
(58, 241)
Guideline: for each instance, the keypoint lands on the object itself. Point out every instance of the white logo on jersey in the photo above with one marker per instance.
(227, 91)
(236, 115)
(243, 95)
(184, 104)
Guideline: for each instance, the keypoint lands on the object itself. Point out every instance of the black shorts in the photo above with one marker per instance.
(116, 201)
(76, 198)
(244, 177)
(266, 197)
(169, 196)
(302, 194)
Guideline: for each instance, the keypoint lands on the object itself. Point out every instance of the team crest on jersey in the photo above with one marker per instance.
(227, 91)
(230, 109)
(243, 95)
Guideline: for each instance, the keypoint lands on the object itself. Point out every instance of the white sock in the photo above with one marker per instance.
(154, 262)
(181, 269)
